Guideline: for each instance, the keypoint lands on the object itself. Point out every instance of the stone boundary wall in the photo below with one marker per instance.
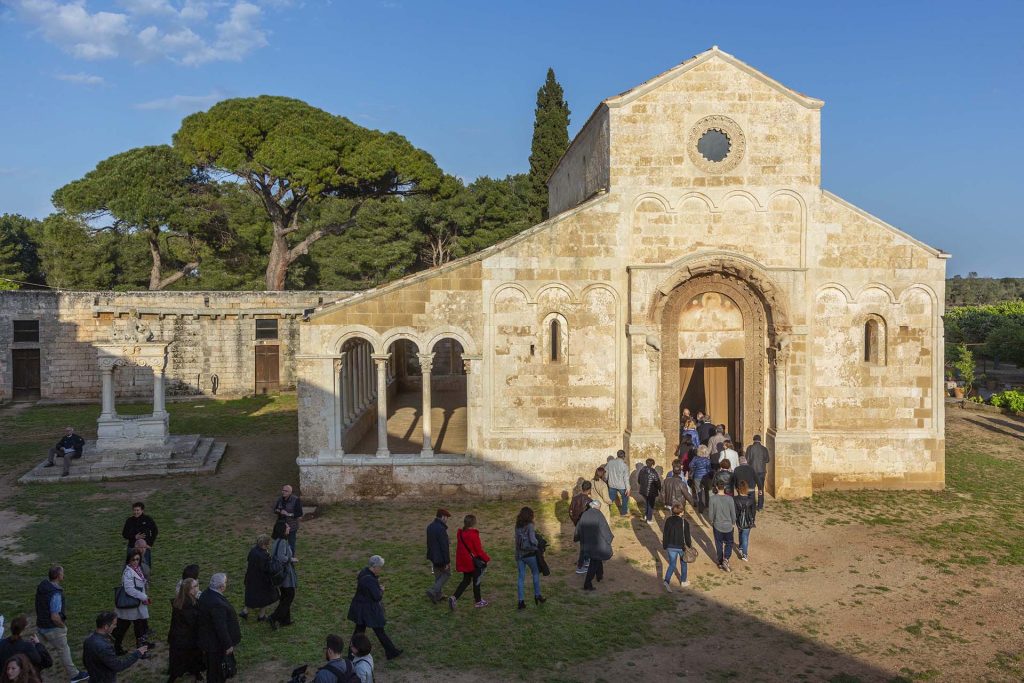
(212, 337)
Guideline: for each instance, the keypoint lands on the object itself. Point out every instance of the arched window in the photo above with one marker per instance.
(874, 341)
(556, 340)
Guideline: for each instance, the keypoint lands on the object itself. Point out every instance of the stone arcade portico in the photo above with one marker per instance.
(135, 446)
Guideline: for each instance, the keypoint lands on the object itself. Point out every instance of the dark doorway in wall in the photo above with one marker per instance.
(26, 374)
(715, 387)
(268, 369)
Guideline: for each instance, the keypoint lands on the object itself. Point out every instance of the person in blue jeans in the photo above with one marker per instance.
(746, 513)
(674, 540)
(526, 555)
(618, 481)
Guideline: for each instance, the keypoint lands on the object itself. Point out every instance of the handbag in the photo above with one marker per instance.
(124, 601)
(478, 564)
(228, 667)
(690, 555)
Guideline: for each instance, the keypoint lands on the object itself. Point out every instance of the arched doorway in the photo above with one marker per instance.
(448, 397)
(357, 388)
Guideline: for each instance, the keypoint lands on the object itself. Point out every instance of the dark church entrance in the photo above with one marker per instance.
(716, 388)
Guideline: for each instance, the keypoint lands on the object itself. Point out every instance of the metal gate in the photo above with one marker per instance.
(268, 369)
(26, 374)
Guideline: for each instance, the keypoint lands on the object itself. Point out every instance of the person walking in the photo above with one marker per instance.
(18, 669)
(579, 504)
(675, 540)
(744, 472)
(135, 586)
(260, 591)
(288, 507)
(618, 481)
(527, 547)
(758, 459)
(595, 539)
(649, 482)
(362, 660)
(700, 469)
(281, 556)
(673, 489)
(746, 513)
(51, 621)
(99, 652)
(186, 659)
(218, 633)
(367, 607)
(722, 516)
(689, 429)
(14, 644)
(722, 478)
(599, 489)
(471, 559)
(439, 554)
(338, 669)
(140, 526)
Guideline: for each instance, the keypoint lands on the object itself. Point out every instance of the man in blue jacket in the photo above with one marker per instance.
(98, 653)
(51, 621)
(70, 446)
(438, 552)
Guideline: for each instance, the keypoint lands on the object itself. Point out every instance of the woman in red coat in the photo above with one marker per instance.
(471, 559)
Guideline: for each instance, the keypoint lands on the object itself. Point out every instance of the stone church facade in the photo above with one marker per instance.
(692, 260)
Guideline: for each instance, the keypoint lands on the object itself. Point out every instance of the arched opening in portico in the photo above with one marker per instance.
(357, 390)
(448, 397)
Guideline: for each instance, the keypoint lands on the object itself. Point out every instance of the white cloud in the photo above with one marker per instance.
(182, 102)
(81, 79)
(201, 31)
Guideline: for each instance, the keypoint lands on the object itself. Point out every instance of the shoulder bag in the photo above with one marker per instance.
(690, 555)
(124, 601)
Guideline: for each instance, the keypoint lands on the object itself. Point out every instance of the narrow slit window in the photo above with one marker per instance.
(874, 342)
(556, 340)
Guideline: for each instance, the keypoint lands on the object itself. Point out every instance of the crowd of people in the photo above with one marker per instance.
(707, 472)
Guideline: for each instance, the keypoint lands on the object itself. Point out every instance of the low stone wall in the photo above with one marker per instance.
(212, 337)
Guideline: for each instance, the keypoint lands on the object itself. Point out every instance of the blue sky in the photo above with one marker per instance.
(921, 126)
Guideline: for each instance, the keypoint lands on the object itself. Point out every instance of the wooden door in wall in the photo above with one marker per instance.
(268, 369)
(25, 364)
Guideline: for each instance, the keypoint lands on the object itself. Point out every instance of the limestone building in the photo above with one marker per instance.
(692, 260)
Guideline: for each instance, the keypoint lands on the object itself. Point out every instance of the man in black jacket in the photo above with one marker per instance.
(140, 526)
(758, 459)
(219, 632)
(98, 654)
(68, 447)
(438, 552)
(288, 507)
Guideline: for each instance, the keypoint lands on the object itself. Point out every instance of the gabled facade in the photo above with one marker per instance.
(692, 261)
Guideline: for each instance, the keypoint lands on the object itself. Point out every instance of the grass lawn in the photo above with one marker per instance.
(845, 613)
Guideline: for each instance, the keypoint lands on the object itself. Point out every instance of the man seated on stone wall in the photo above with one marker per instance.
(68, 447)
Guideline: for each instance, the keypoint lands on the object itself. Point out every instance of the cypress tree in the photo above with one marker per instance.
(550, 140)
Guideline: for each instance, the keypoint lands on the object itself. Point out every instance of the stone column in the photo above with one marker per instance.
(108, 391)
(350, 403)
(159, 408)
(426, 365)
(780, 389)
(473, 365)
(367, 375)
(338, 418)
(382, 405)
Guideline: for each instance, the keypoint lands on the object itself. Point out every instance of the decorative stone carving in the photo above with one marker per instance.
(729, 128)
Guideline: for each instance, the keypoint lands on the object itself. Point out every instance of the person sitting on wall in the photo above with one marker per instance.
(68, 447)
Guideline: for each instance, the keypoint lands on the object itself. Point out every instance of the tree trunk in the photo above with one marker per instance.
(277, 265)
(154, 252)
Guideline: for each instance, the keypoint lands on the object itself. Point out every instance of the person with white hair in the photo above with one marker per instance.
(219, 632)
(367, 608)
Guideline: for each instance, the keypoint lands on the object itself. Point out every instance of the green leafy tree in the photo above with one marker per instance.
(19, 259)
(964, 364)
(498, 209)
(550, 140)
(1006, 342)
(73, 257)
(443, 221)
(150, 192)
(291, 155)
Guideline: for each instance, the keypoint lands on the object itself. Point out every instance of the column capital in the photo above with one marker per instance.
(426, 362)
(381, 358)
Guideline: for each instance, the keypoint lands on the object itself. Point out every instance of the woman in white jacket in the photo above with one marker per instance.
(135, 586)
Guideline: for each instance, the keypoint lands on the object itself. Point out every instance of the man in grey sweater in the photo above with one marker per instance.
(618, 481)
(722, 515)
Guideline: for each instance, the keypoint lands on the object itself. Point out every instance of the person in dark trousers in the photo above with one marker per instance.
(337, 669)
(135, 586)
(746, 513)
(219, 632)
(649, 483)
(14, 644)
(745, 473)
(70, 446)
(140, 526)
(439, 554)
(758, 459)
(577, 506)
(367, 608)
(186, 659)
(260, 591)
(527, 548)
(700, 469)
(722, 516)
(288, 507)
(705, 430)
(281, 553)
(468, 549)
(98, 655)
(595, 538)
(675, 540)
(52, 623)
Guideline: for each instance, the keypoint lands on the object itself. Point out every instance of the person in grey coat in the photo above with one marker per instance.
(595, 539)
(618, 481)
(282, 553)
(722, 515)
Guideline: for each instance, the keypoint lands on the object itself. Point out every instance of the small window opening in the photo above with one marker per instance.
(556, 340)
(266, 328)
(26, 331)
(874, 341)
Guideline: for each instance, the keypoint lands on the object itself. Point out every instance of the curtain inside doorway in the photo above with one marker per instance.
(716, 390)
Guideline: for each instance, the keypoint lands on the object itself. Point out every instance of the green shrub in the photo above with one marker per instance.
(1012, 399)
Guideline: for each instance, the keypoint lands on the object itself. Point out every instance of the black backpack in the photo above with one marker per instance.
(346, 675)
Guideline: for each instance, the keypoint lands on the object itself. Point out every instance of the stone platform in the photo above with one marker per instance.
(183, 454)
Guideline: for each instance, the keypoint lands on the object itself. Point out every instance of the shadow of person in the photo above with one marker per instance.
(700, 537)
(649, 536)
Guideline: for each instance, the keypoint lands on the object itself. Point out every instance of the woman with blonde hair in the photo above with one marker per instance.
(183, 638)
(599, 490)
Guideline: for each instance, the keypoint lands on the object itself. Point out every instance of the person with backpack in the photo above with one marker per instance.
(471, 559)
(577, 507)
(673, 489)
(675, 541)
(260, 591)
(337, 669)
(362, 660)
(282, 574)
(367, 608)
(746, 512)
(649, 483)
(527, 547)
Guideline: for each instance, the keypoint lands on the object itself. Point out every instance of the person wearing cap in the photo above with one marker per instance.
(758, 459)
(438, 552)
